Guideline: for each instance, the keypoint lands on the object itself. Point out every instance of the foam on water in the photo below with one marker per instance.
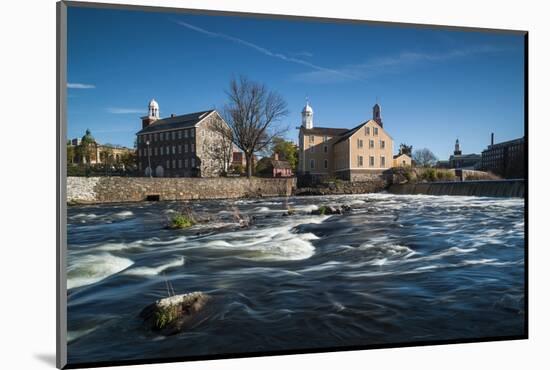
(91, 268)
(152, 271)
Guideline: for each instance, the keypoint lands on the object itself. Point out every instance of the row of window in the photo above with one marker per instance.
(177, 164)
(170, 135)
(165, 150)
(382, 143)
(371, 161)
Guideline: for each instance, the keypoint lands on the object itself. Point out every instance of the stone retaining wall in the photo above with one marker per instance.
(89, 190)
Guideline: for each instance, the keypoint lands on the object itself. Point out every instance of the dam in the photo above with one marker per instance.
(484, 188)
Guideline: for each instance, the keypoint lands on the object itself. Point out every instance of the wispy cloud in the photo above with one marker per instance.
(263, 50)
(125, 110)
(75, 85)
(392, 64)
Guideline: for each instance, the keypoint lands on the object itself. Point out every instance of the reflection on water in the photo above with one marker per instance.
(395, 269)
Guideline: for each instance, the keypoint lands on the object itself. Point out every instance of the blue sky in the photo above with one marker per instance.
(433, 85)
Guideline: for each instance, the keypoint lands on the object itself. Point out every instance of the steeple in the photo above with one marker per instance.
(153, 114)
(457, 148)
(377, 114)
(307, 116)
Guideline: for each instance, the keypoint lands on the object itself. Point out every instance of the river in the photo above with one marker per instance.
(397, 268)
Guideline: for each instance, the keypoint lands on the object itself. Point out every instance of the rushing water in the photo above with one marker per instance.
(397, 268)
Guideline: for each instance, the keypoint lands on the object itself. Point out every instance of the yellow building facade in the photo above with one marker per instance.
(352, 154)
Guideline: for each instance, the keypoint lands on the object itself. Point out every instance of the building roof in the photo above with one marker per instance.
(466, 156)
(520, 140)
(280, 164)
(176, 122)
(399, 155)
(324, 131)
(350, 132)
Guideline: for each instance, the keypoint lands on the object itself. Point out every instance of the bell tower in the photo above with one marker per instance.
(307, 116)
(153, 114)
(457, 148)
(377, 114)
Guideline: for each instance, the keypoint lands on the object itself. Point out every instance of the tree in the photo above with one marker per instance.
(70, 152)
(424, 157)
(286, 151)
(253, 113)
(220, 150)
(405, 149)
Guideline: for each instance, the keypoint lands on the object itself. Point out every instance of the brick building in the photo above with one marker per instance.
(506, 159)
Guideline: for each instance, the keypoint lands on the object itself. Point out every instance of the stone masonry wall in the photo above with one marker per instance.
(134, 189)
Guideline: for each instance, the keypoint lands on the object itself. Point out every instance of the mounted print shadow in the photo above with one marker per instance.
(236, 185)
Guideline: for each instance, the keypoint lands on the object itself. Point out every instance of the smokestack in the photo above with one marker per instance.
(492, 138)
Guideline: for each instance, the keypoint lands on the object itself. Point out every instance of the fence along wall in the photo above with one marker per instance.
(88, 190)
(497, 188)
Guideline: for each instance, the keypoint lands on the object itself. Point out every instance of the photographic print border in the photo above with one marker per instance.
(61, 204)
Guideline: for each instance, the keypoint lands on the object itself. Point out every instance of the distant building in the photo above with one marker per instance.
(180, 146)
(402, 160)
(274, 167)
(464, 161)
(96, 153)
(349, 154)
(506, 159)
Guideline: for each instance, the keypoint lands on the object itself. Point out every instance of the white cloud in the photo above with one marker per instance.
(390, 64)
(74, 85)
(263, 50)
(125, 111)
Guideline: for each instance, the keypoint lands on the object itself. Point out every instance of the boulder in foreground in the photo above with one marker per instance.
(171, 315)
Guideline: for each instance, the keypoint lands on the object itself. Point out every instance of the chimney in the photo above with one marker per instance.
(492, 138)
(172, 115)
(276, 156)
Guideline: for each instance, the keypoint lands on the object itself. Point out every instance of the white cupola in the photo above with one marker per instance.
(154, 109)
(307, 116)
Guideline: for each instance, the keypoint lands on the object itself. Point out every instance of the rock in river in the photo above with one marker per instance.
(172, 314)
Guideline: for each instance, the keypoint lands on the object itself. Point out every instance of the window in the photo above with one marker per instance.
(325, 149)
(311, 138)
(360, 160)
(382, 144)
(326, 163)
(371, 143)
(312, 149)
(185, 163)
(173, 135)
(192, 147)
(179, 147)
(139, 152)
(382, 161)
(173, 163)
(192, 162)
(161, 150)
(156, 137)
(156, 151)
(186, 133)
(359, 143)
(375, 130)
(179, 136)
(371, 161)
(167, 164)
(312, 163)
(162, 136)
(192, 133)
(179, 161)
(367, 130)
(173, 149)
(185, 147)
(325, 138)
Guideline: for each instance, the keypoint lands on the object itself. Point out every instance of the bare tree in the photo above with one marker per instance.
(252, 114)
(424, 157)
